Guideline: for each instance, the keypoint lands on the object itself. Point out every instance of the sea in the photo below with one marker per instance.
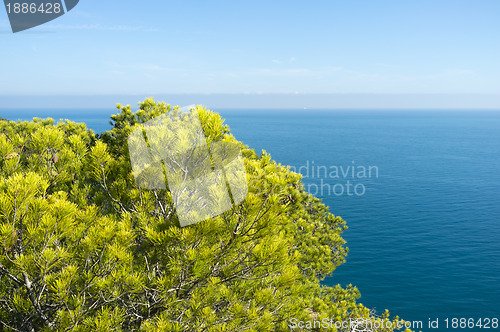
(419, 190)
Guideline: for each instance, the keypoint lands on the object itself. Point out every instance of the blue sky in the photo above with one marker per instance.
(257, 47)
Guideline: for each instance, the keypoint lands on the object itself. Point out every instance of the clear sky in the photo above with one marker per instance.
(257, 47)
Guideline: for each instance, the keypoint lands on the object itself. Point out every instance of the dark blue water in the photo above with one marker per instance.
(424, 225)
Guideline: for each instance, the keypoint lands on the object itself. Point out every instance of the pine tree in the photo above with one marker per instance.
(83, 248)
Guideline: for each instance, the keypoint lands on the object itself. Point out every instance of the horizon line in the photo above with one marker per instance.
(486, 101)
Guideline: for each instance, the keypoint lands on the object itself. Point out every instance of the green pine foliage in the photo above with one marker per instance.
(83, 248)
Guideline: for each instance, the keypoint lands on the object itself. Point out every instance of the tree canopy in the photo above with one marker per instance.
(83, 248)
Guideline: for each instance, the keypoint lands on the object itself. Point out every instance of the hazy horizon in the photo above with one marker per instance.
(264, 101)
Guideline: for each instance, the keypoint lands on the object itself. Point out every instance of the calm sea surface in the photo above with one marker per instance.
(420, 191)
